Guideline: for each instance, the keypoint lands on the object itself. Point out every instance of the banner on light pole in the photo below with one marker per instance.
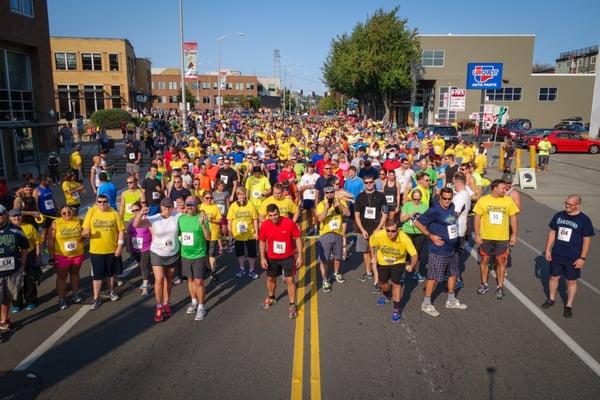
(190, 55)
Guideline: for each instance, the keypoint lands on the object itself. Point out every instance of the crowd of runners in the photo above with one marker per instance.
(257, 187)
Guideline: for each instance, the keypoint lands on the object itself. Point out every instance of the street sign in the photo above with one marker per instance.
(527, 178)
(474, 116)
(458, 99)
(484, 76)
(500, 115)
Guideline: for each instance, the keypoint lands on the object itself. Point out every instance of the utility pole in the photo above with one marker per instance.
(184, 112)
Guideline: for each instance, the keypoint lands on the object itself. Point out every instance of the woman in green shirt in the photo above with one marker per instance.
(409, 213)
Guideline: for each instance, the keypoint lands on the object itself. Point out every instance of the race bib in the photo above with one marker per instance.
(132, 156)
(70, 245)
(334, 224)
(75, 195)
(564, 234)
(310, 194)
(242, 227)
(221, 208)
(495, 218)
(278, 247)
(7, 264)
(187, 238)
(452, 231)
(137, 243)
(389, 199)
(389, 260)
(370, 212)
(128, 208)
(169, 244)
(225, 179)
(436, 149)
(256, 194)
(49, 204)
(155, 195)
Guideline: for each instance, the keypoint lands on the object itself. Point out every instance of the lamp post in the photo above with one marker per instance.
(219, 70)
(184, 112)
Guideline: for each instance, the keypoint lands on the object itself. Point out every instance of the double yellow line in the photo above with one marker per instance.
(307, 280)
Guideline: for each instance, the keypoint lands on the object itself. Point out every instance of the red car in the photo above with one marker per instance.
(568, 142)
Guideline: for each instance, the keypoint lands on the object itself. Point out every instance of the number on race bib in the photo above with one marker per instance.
(75, 195)
(71, 245)
(132, 156)
(256, 194)
(452, 231)
(128, 208)
(169, 244)
(221, 208)
(187, 238)
(225, 179)
(137, 243)
(155, 195)
(495, 217)
(278, 247)
(242, 227)
(49, 204)
(310, 194)
(334, 224)
(389, 260)
(389, 199)
(7, 264)
(564, 234)
(370, 213)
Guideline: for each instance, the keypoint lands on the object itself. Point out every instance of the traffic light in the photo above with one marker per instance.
(301, 92)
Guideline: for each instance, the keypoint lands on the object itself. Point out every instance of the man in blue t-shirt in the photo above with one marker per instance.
(438, 224)
(567, 246)
(108, 189)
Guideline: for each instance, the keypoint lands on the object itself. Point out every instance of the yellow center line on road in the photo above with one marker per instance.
(298, 363)
(315, 351)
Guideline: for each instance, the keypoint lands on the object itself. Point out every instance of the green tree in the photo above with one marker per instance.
(375, 63)
(328, 103)
(189, 98)
(255, 103)
(109, 118)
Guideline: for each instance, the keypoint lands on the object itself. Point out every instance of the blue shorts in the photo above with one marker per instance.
(564, 266)
(308, 204)
(153, 210)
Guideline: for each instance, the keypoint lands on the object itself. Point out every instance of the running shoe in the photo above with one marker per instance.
(268, 303)
(483, 288)
(418, 277)
(15, 309)
(382, 301)
(459, 283)
(548, 303)
(499, 293)
(77, 298)
(120, 282)
(158, 314)
(62, 304)
(455, 305)
(375, 289)
(177, 281)
(252, 275)
(30, 307)
(4, 326)
(96, 304)
(191, 308)
(113, 296)
(326, 286)
(395, 316)
(167, 310)
(293, 312)
(214, 276)
(366, 276)
(240, 273)
(200, 314)
(568, 312)
(340, 278)
(430, 310)
(145, 292)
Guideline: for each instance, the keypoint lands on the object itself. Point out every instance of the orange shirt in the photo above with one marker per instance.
(212, 172)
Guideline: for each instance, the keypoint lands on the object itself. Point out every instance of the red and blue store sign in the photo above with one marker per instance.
(484, 76)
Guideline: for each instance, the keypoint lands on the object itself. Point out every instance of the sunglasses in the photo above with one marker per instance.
(391, 230)
(135, 210)
(207, 197)
(571, 204)
(101, 201)
(130, 183)
(167, 206)
(66, 212)
(446, 198)
(330, 192)
(368, 182)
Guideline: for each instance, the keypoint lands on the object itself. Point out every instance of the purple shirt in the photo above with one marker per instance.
(139, 238)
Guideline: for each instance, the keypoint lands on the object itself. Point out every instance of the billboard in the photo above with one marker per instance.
(458, 100)
(484, 76)
(190, 56)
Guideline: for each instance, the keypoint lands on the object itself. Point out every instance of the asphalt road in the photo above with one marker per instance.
(342, 346)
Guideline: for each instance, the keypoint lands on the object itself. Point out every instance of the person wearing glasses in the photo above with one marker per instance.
(152, 191)
(176, 188)
(439, 225)
(410, 211)
(242, 219)
(214, 244)
(229, 177)
(164, 252)
(104, 227)
(369, 217)
(388, 250)
(134, 158)
(65, 246)
(495, 229)
(567, 247)
(423, 185)
(284, 204)
(72, 190)
(258, 186)
(138, 242)
(129, 196)
(108, 189)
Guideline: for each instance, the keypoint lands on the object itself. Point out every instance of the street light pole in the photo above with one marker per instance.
(219, 71)
(184, 112)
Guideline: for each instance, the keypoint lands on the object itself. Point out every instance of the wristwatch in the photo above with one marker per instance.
(583, 258)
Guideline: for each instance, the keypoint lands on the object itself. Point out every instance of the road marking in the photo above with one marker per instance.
(315, 350)
(583, 281)
(298, 363)
(61, 331)
(551, 325)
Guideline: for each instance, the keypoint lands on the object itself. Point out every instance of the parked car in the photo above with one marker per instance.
(511, 130)
(571, 128)
(568, 142)
(447, 132)
(523, 139)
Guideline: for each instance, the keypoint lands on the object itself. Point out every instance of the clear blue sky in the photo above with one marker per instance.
(302, 30)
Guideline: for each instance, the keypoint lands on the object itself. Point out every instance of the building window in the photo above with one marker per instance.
(215, 86)
(115, 92)
(505, 94)
(152, 85)
(24, 7)
(24, 145)
(239, 86)
(113, 62)
(91, 61)
(249, 86)
(172, 99)
(206, 100)
(548, 94)
(432, 58)
(16, 96)
(443, 113)
(271, 88)
(173, 85)
(228, 86)
(593, 60)
(94, 98)
(68, 100)
(161, 85)
(206, 85)
(65, 61)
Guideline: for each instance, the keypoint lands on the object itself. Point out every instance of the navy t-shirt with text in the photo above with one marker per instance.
(570, 231)
(441, 222)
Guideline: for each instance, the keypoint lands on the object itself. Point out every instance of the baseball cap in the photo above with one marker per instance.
(15, 212)
(256, 169)
(191, 201)
(166, 202)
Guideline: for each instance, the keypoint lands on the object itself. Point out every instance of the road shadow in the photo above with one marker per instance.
(491, 371)
(542, 272)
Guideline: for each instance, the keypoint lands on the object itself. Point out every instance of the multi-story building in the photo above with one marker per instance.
(580, 61)
(92, 74)
(27, 111)
(143, 78)
(204, 90)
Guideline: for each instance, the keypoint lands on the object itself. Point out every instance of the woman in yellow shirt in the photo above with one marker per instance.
(214, 219)
(65, 246)
(72, 191)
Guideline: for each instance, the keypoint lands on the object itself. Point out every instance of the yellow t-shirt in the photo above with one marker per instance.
(214, 215)
(104, 229)
(242, 220)
(459, 151)
(68, 240)
(425, 194)
(468, 154)
(75, 160)
(438, 145)
(495, 213)
(333, 221)
(480, 163)
(32, 235)
(256, 188)
(286, 206)
(72, 199)
(176, 164)
(392, 252)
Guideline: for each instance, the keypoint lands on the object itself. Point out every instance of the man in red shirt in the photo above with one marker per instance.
(322, 162)
(391, 163)
(279, 241)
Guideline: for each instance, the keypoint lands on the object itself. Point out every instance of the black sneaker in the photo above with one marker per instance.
(548, 303)
(568, 312)
(214, 277)
(366, 276)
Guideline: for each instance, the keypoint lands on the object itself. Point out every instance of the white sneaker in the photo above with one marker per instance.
(191, 308)
(114, 296)
(429, 309)
(200, 314)
(456, 305)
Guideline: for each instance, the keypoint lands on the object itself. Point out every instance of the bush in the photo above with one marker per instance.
(109, 119)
